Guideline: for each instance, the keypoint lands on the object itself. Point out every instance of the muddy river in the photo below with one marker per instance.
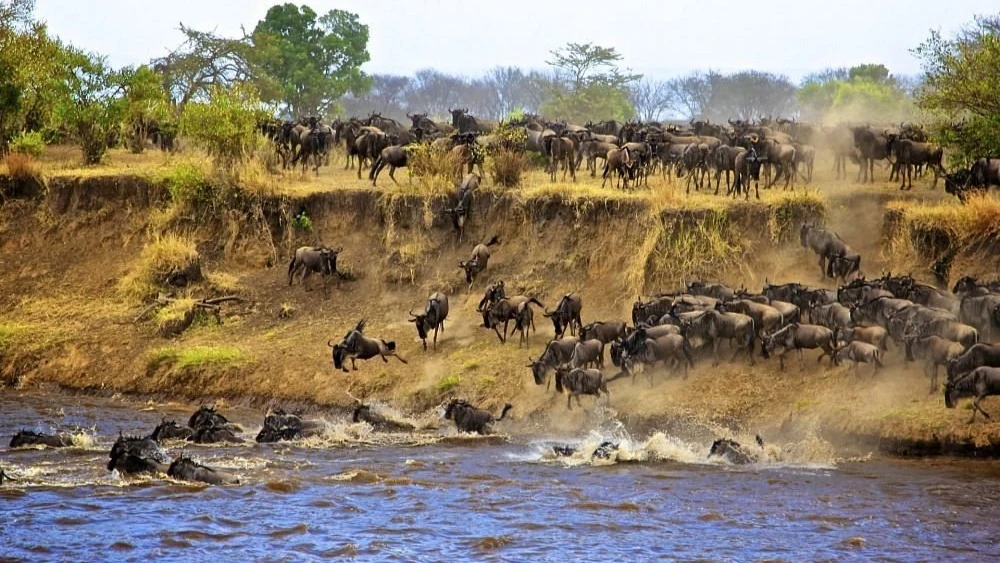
(434, 495)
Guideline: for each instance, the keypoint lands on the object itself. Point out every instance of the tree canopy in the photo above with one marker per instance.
(588, 84)
(867, 92)
(962, 86)
(314, 60)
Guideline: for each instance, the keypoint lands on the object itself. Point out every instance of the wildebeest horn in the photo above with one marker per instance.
(338, 250)
(328, 343)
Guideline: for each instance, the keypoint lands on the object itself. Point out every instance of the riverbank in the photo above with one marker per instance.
(70, 320)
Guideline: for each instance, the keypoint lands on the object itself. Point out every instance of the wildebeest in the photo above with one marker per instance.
(566, 314)
(279, 425)
(910, 154)
(210, 434)
(170, 430)
(976, 356)
(715, 326)
(557, 352)
(394, 157)
(618, 161)
(309, 259)
(978, 384)
(357, 346)
(517, 309)
(874, 335)
(747, 164)
(859, 353)
(587, 353)
(870, 145)
(27, 438)
(827, 244)
(478, 261)
(734, 451)
(799, 337)
(935, 351)
(4, 476)
(207, 416)
(471, 419)
(132, 454)
(648, 348)
(364, 413)
(186, 469)
(462, 210)
(580, 381)
(432, 318)
(985, 172)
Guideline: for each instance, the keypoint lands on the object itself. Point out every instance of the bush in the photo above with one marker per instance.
(167, 260)
(22, 167)
(226, 126)
(507, 167)
(29, 143)
(302, 221)
(427, 162)
(190, 189)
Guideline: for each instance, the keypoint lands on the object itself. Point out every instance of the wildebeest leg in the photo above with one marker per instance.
(435, 337)
(306, 271)
(353, 367)
(502, 339)
(400, 358)
(569, 402)
(578, 403)
(715, 352)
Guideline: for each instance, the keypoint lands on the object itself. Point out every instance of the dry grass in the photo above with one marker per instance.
(22, 167)
(162, 257)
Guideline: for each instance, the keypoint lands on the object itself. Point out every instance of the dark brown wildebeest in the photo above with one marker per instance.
(978, 384)
(356, 346)
(827, 244)
(799, 337)
(463, 208)
(433, 317)
(561, 151)
(734, 451)
(26, 438)
(976, 356)
(984, 173)
(911, 154)
(870, 145)
(394, 157)
(566, 314)
(646, 348)
(309, 259)
(478, 261)
(186, 469)
(170, 430)
(618, 161)
(557, 352)
(874, 335)
(515, 309)
(470, 419)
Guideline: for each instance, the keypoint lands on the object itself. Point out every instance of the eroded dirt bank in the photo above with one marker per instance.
(65, 319)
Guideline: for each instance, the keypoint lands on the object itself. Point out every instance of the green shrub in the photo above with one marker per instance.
(302, 221)
(226, 126)
(28, 142)
(449, 382)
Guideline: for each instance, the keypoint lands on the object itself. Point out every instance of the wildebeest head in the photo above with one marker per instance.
(170, 429)
(453, 405)
(422, 323)
(951, 392)
(206, 416)
(804, 233)
(495, 292)
(338, 353)
(470, 267)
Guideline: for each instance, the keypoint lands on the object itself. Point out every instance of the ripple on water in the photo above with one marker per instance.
(295, 530)
(122, 546)
(283, 486)
(491, 543)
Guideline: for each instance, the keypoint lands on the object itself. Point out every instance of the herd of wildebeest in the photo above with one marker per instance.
(668, 332)
(859, 322)
(782, 150)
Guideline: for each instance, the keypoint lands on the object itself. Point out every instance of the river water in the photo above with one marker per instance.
(358, 494)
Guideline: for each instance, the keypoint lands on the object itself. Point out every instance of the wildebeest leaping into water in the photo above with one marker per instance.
(470, 419)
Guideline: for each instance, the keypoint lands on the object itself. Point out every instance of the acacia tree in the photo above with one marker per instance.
(589, 84)
(867, 92)
(650, 98)
(314, 60)
(960, 84)
(205, 60)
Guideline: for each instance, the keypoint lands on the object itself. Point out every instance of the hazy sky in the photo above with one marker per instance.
(660, 39)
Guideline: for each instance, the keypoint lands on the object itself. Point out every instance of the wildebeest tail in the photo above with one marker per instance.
(493, 241)
(503, 413)
(291, 268)
(536, 302)
(619, 375)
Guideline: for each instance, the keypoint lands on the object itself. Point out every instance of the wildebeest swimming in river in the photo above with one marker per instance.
(733, 451)
(187, 469)
(603, 451)
(279, 425)
(5, 477)
(132, 454)
(170, 430)
(27, 438)
(470, 419)
(209, 427)
(364, 413)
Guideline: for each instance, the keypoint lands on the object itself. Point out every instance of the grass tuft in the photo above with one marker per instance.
(162, 258)
(22, 167)
(448, 382)
(181, 359)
